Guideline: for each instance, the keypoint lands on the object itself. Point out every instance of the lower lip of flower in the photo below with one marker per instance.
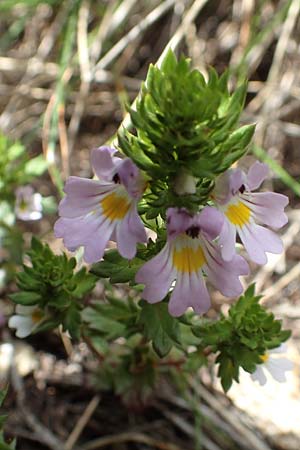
(238, 214)
(114, 206)
(188, 259)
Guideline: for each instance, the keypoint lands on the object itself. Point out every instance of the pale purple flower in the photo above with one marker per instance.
(274, 364)
(28, 205)
(245, 210)
(95, 211)
(188, 253)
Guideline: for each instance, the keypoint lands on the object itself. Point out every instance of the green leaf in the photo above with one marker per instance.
(27, 298)
(85, 282)
(159, 327)
(112, 329)
(36, 166)
(227, 371)
(72, 321)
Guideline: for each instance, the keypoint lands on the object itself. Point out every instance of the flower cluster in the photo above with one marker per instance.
(199, 245)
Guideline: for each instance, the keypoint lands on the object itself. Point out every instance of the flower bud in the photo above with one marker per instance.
(185, 183)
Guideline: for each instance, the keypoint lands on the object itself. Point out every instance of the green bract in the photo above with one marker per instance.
(242, 337)
(184, 122)
(51, 284)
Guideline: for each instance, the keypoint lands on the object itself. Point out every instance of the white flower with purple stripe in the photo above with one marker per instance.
(188, 253)
(244, 210)
(95, 211)
(274, 364)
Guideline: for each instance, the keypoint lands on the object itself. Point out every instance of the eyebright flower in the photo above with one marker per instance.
(275, 365)
(93, 211)
(242, 208)
(28, 204)
(25, 320)
(188, 253)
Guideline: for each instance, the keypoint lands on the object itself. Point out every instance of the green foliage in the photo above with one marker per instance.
(242, 337)
(281, 173)
(51, 284)
(130, 370)
(185, 122)
(116, 268)
(16, 168)
(121, 270)
(111, 319)
(159, 327)
(3, 417)
(7, 5)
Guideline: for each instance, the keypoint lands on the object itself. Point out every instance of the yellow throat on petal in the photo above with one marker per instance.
(238, 214)
(114, 206)
(264, 357)
(188, 259)
(36, 316)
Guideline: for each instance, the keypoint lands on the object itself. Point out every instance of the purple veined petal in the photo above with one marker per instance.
(104, 164)
(236, 179)
(227, 240)
(190, 290)
(258, 240)
(131, 178)
(77, 232)
(259, 375)
(157, 275)
(221, 192)
(76, 203)
(257, 173)
(267, 207)
(94, 248)
(224, 275)
(210, 221)
(77, 207)
(130, 231)
(83, 187)
(178, 221)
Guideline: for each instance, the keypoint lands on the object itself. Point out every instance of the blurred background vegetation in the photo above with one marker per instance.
(68, 70)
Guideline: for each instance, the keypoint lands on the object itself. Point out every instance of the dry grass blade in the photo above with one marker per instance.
(42, 433)
(129, 437)
(189, 430)
(85, 417)
(33, 65)
(133, 34)
(188, 19)
(247, 435)
(85, 70)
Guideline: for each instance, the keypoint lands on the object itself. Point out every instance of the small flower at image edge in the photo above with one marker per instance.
(244, 210)
(28, 204)
(274, 364)
(96, 211)
(25, 320)
(188, 253)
